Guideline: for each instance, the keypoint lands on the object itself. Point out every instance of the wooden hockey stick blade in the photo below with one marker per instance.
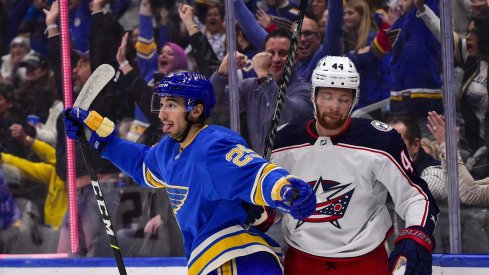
(95, 83)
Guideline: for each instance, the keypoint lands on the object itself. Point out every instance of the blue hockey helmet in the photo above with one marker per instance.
(191, 86)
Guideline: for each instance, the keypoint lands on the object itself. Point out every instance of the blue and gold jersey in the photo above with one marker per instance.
(415, 66)
(207, 182)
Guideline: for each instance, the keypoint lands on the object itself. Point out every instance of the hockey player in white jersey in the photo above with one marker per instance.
(352, 164)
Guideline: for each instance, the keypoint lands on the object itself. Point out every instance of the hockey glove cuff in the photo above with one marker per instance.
(294, 196)
(103, 129)
(414, 246)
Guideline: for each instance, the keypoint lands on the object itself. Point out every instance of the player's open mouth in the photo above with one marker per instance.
(166, 127)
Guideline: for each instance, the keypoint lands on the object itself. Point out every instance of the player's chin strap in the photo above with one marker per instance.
(201, 119)
(187, 129)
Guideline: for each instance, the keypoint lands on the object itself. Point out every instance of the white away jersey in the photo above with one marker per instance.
(351, 174)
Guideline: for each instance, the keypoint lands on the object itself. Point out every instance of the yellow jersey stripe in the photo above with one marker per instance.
(377, 45)
(229, 268)
(145, 48)
(258, 197)
(152, 181)
(242, 238)
(278, 186)
(428, 96)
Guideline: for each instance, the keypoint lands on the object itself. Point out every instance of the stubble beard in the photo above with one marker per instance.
(327, 124)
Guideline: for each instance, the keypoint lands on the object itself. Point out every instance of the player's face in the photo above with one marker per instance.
(172, 114)
(333, 106)
(278, 47)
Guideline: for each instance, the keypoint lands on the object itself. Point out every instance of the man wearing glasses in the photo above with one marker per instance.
(311, 46)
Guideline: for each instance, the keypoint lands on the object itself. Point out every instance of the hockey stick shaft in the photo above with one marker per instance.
(94, 85)
(87, 157)
(285, 82)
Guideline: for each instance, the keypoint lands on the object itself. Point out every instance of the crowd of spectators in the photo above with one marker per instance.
(395, 45)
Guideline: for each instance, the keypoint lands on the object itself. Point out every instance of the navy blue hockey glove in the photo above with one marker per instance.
(297, 198)
(103, 129)
(260, 217)
(414, 246)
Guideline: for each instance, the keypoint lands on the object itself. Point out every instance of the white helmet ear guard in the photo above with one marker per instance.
(335, 72)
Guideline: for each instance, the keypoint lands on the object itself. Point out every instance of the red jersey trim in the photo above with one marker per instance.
(420, 191)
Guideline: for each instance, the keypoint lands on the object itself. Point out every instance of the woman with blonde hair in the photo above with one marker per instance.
(359, 25)
(431, 147)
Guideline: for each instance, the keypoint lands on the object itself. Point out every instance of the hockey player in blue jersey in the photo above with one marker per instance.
(208, 172)
(352, 165)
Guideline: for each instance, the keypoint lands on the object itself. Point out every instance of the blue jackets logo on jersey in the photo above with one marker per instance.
(332, 202)
(381, 126)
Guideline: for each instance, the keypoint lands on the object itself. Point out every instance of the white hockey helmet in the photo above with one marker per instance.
(335, 72)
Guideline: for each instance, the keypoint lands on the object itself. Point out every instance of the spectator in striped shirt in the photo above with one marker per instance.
(427, 166)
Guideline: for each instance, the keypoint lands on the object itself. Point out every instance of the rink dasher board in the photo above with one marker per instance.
(183, 270)
(91, 266)
(442, 264)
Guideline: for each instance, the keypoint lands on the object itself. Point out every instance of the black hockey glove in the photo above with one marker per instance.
(260, 217)
(414, 246)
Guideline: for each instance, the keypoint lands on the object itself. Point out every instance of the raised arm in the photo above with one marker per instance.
(432, 22)
(137, 88)
(251, 28)
(333, 33)
(146, 47)
(206, 58)
(105, 33)
(472, 192)
(332, 36)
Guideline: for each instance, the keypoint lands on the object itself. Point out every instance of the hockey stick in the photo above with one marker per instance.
(283, 88)
(281, 94)
(95, 83)
(285, 81)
